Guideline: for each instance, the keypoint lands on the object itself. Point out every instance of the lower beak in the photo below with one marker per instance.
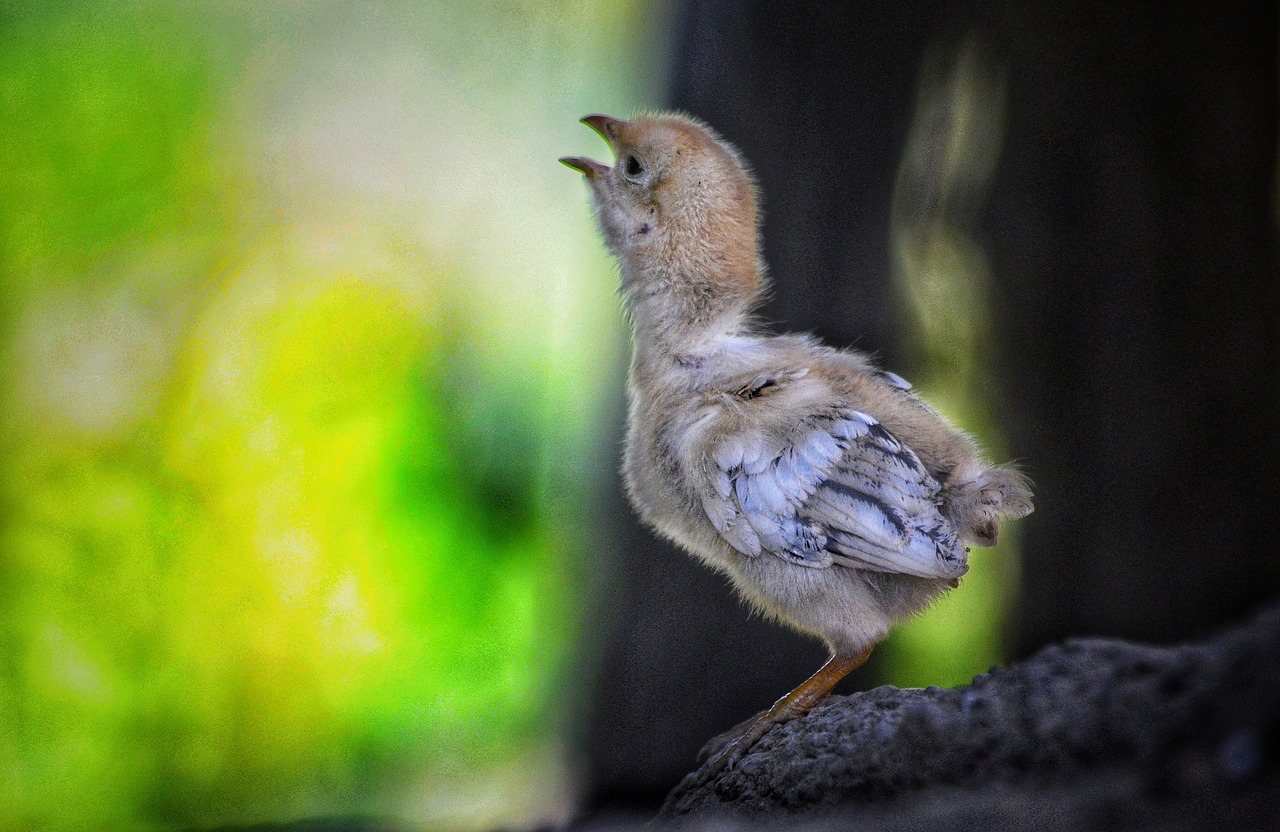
(590, 167)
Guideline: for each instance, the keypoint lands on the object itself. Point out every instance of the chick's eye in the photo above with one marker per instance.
(633, 166)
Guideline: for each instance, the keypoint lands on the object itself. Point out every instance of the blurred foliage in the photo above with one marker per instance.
(299, 348)
(944, 276)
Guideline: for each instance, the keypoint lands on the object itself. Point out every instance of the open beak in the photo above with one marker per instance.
(608, 129)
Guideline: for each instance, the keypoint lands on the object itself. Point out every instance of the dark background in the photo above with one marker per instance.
(1132, 233)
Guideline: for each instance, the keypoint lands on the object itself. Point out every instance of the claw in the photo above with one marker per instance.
(717, 743)
(723, 751)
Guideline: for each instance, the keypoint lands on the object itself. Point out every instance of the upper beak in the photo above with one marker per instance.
(607, 127)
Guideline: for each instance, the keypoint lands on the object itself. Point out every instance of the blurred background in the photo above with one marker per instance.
(311, 376)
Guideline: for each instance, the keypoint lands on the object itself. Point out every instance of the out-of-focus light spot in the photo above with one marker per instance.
(345, 618)
(69, 665)
(90, 362)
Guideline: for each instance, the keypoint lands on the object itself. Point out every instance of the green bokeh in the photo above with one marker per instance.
(298, 412)
(944, 278)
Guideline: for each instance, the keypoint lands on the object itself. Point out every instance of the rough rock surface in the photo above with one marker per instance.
(1089, 734)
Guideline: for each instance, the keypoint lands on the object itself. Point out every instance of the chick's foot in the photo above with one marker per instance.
(726, 749)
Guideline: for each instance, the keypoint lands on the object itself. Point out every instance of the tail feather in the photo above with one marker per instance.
(979, 496)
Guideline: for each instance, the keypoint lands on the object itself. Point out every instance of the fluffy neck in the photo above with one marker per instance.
(682, 298)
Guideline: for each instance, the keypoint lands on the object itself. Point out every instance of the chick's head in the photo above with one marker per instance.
(675, 189)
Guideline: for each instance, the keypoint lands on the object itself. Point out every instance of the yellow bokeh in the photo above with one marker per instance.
(302, 347)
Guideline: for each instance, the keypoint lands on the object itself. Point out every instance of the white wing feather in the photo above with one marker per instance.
(845, 492)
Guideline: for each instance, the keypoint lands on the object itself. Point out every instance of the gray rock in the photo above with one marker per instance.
(1090, 734)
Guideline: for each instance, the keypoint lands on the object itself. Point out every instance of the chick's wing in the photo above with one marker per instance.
(840, 489)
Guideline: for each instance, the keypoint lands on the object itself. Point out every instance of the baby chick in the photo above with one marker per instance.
(834, 499)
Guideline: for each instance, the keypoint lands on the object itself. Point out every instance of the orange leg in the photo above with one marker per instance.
(729, 747)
